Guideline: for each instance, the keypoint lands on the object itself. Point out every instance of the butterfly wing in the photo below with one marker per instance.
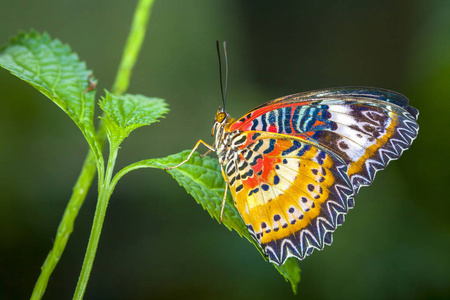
(366, 127)
(291, 193)
(305, 158)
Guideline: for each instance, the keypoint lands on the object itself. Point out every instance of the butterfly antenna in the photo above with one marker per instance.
(226, 72)
(220, 75)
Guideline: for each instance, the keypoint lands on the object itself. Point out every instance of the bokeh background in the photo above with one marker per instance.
(157, 242)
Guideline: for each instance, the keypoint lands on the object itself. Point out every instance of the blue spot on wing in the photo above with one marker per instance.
(264, 123)
(321, 157)
(313, 114)
(272, 118)
(276, 179)
(302, 151)
(287, 119)
(254, 124)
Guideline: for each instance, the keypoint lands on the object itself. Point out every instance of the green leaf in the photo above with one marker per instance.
(202, 178)
(125, 113)
(54, 70)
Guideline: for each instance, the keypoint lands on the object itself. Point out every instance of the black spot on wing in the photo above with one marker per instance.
(255, 160)
(258, 145)
(254, 191)
(241, 140)
(249, 173)
(248, 154)
(255, 135)
(243, 166)
(271, 146)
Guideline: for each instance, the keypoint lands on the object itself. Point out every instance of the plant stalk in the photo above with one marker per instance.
(132, 46)
(100, 212)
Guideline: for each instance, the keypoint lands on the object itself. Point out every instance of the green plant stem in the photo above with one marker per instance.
(100, 212)
(65, 228)
(88, 170)
(127, 169)
(133, 46)
(131, 51)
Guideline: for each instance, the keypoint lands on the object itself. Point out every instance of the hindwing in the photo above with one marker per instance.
(290, 193)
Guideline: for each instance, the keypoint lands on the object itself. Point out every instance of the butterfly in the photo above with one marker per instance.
(294, 164)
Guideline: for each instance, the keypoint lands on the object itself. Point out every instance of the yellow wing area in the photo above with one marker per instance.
(283, 184)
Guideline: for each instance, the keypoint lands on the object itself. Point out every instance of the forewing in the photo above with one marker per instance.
(365, 127)
(290, 193)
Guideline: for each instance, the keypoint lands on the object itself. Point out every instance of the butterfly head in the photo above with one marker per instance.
(222, 121)
(221, 115)
(219, 120)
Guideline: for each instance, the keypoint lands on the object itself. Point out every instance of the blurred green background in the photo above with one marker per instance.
(157, 242)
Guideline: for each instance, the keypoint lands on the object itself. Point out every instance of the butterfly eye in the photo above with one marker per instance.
(220, 116)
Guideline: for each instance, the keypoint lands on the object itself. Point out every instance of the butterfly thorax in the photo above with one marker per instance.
(226, 142)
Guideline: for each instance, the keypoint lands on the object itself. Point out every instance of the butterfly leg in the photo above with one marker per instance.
(206, 153)
(190, 154)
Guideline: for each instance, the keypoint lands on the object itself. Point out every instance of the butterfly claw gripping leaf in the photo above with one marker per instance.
(295, 164)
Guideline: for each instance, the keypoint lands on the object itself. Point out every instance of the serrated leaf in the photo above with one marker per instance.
(127, 112)
(52, 68)
(202, 178)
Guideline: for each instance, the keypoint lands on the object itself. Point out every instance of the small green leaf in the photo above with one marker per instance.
(202, 178)
(125, 113)
(53, 69)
